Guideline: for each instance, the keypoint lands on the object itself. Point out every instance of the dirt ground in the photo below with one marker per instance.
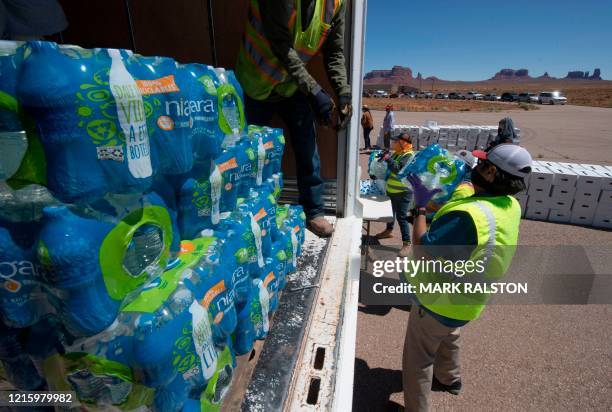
(443, 105)
(514, 358)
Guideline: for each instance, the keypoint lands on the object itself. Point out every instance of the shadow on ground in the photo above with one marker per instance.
(373, 388)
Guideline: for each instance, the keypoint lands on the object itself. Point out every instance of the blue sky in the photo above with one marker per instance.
(473, 39)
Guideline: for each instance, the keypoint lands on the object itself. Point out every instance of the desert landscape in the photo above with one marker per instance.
(580, 88)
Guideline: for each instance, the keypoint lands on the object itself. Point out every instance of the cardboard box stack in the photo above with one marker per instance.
(451, 137)
(569, 193)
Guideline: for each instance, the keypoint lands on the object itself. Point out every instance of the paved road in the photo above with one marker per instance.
(514, 358)
(564, 133)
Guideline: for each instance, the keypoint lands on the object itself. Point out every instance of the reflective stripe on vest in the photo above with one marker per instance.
(259, 70)
(394, 184)
(496, 220)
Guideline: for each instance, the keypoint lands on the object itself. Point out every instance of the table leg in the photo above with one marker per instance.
(367, 246)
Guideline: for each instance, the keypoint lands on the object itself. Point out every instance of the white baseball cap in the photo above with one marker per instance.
(509, 157)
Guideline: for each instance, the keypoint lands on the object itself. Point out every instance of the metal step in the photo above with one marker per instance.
(290, 193)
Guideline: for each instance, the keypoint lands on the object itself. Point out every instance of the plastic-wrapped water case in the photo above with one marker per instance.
(438, 169)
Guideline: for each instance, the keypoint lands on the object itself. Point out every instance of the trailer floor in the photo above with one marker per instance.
(262, 378)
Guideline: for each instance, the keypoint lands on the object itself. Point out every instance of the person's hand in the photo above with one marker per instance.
(422, 195)
(346, 110)
(323, 106)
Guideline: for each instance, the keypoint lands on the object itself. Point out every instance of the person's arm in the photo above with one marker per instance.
(333, 54)
(275, 17)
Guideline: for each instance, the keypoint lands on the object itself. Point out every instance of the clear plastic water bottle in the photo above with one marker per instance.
(13, 146)
(18, 367)
(144, 249)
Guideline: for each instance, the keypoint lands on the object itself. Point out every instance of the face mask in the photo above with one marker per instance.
(489, 187)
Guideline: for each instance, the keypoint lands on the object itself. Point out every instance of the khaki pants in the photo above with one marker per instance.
(430, 349)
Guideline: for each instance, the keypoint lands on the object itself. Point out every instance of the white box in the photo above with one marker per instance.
(563, 193)
(603, 217)
(582, 216)
(588, 180)
(549, 164)
(539, 189)
(594, 168)
(561, 204)
(584, 207)
(606, 178)
(563, 177)
(559, 215)
(483, 140)
(586, 197)
(605, 198)
(540, 200)
(537, 213)
(573, 166)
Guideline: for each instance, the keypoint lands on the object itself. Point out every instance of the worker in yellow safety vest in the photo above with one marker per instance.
(280, 38)
(399, 193)
(480, 230)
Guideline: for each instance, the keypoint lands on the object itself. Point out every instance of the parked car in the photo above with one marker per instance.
(491, 97)
(551, 98)
(420, 95)
(472, 95)
(441, 96)
(428, 95)
(454, 96)
(528, 98)
(380, 93)
(509, 97)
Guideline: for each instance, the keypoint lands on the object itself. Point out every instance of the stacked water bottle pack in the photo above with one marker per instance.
(451, 137)
(142, 246)
(569, 193)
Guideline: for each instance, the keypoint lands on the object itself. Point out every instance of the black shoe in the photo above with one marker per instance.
(438, 386)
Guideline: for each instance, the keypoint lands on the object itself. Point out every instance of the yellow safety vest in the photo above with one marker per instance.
(496, 220)
(259, 70)
(463, 190)
(394, 184)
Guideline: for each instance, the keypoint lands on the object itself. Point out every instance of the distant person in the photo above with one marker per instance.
(505, 133)
(398, 192)
(367, 122)
(388, 124)
(30, 19)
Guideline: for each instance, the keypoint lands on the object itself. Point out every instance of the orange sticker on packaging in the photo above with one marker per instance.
(158, 86)
(230, 164)
(165, 123)
(186, 247)
(269, 278)
(213, 293)
(296, 229)
(260, 214)
(269, 145)
(12, 286)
